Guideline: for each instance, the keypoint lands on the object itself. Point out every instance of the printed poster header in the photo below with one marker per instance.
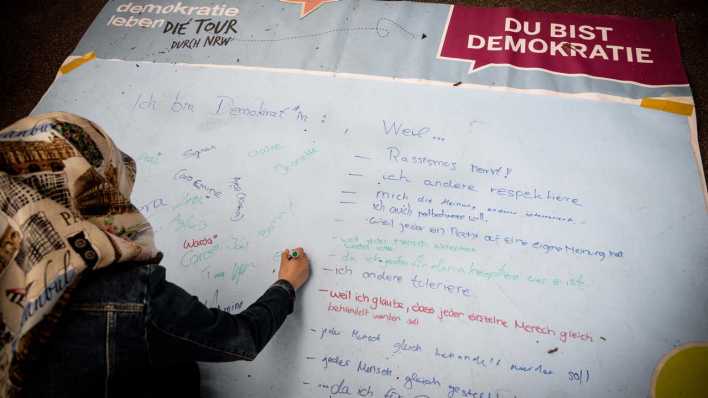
(625, 49)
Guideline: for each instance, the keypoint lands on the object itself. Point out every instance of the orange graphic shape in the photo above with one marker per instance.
(308, 5)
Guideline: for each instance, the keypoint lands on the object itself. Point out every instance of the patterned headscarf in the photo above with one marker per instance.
(64, 210)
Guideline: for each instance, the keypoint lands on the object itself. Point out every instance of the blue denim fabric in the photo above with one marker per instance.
(130, 333)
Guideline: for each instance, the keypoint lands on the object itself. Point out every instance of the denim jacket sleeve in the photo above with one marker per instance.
(181, 328)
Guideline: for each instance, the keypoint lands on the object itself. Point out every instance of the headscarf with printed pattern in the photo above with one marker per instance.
(64, 210)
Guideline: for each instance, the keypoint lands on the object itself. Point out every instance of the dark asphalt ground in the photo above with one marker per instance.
(38, 35)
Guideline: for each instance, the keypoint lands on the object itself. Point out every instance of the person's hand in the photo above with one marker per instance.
(294, 269)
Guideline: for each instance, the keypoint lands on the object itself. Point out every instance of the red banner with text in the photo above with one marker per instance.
(624, 49)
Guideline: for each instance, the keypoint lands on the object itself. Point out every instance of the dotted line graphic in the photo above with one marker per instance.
(381, 31)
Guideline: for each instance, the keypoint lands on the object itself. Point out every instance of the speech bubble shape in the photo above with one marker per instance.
(623, 49)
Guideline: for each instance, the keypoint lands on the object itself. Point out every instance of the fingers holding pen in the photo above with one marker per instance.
(294, 266)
